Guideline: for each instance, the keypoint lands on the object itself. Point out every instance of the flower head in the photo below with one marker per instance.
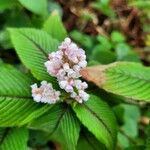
(66, 64)
(45, 93)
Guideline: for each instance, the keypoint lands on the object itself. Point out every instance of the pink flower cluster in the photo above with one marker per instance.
(45, 93)
(65, 64)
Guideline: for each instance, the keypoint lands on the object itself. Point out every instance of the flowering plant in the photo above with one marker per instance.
(61, 98)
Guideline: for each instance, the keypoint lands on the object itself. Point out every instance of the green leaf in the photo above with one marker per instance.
(55, 6)
(36, 6)
(55, 27)
(131, 80)
(105, 42)
(89, 142)
(61, 124)
(148, 138)
(137, 147)
(104, 7)
(84, 40)
(2, 132)
(5, 4)
(33, 47)
(117, 37)
(37, 138)
(102, 55)
(16, 105)
(131, 118)
(125, 53)
(14, 139)
(128, 115)
(99, 119)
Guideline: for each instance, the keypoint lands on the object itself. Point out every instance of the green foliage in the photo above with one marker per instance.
(54, 26)
(55, 6)
(125, 53)
(7, 4)
(148, 138)
(33, 47)
(117, 37)
(89, 142)
(112, 49)
(83, 39)
(99, 119)
(128, 116)
(103, 55)
(101, 29)
(61, 125)
(104, 7)
(14, 139)
(16, 105)
(128, 79)
(36, 6)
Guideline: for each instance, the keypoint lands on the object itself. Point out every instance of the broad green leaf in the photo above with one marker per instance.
(131, 80)
(33, 47)
(14, 139)
(55, 27)
(89, 142)
(99, 119)
(61, 125)
(36, 6)
(16, 104)
(5, 4)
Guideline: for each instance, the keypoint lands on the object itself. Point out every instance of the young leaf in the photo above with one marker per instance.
(14, 139)
(36, 6)
(131, 80)
(55, 27)
(61, 124)
(99, 119)
(16, 104)
(33, 47)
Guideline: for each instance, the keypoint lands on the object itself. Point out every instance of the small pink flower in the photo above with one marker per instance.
(45, 93)
(65, 64)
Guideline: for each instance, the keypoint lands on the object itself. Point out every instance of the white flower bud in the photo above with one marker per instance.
(82, 64)
(45, 93)
(66, 67)
(63, 84)
(69, 88)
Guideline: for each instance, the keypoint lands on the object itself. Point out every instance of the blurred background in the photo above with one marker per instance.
(108, 30)
(117, 29)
